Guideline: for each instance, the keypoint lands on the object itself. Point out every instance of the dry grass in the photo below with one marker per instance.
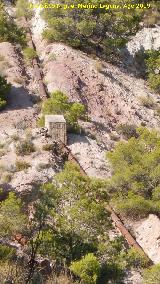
(21, 165)
(114, 136)
(52, 57)
(147, 102)
(2, 152)
(98, 66)
(4, 65)
(2, 69)
(14, 137)
(42, 166)
(25, 147)
(59, 280)
(6, 177)
(2, 58)
(157, 111)
(47, 147)
(19, 80)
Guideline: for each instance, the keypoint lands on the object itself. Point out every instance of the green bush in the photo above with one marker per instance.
(134, 185)
(58, 103)
(135, 259)
(23, 10)
(29, 54)
(75, 111)
(152, 275)
(127, 130)
(9, 30)
(135, 207)
(153, 64)
(152, 60)
(2, 104)
(6, 253)
(48, 35)
(41, 121)
(12, 220)
(98, 31)
(156, 193)
(154, 82)
(4, 90)
(88, 269)
(24, 147)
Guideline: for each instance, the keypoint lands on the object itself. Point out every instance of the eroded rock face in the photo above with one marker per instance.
(110, 95)
(38, 24)
(91, 155)
(134, 52)
(26, 181)
(19, 111)
(148, 236)
(133, 277)
(147, 38)
(43, 164)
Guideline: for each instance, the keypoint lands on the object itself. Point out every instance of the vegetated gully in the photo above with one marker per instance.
(44, 95)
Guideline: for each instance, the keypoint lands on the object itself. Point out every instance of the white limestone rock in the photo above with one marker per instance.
(148, 236)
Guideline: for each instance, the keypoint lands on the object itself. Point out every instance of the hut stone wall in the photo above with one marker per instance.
(56, 126)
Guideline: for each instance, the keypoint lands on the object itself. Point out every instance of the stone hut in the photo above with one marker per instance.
(56, 125)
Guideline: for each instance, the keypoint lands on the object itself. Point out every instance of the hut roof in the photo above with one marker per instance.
(54, 118)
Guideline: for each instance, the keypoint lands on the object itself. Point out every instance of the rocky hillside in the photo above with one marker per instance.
(112, 95)
(20, 111)
(147, 38)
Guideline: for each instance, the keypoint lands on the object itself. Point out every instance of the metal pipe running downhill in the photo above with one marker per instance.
(35, 62)
(117, 221)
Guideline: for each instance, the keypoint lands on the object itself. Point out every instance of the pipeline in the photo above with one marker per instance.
(72, 158)
(35, 63)
(127, 235)
(116, 220)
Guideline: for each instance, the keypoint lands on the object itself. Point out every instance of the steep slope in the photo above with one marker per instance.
(111, 97)
(110, 93)
(147, 38)
(148, 236)
(25, 170)
(19, 111)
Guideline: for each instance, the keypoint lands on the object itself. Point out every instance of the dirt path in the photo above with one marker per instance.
(19, 112)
